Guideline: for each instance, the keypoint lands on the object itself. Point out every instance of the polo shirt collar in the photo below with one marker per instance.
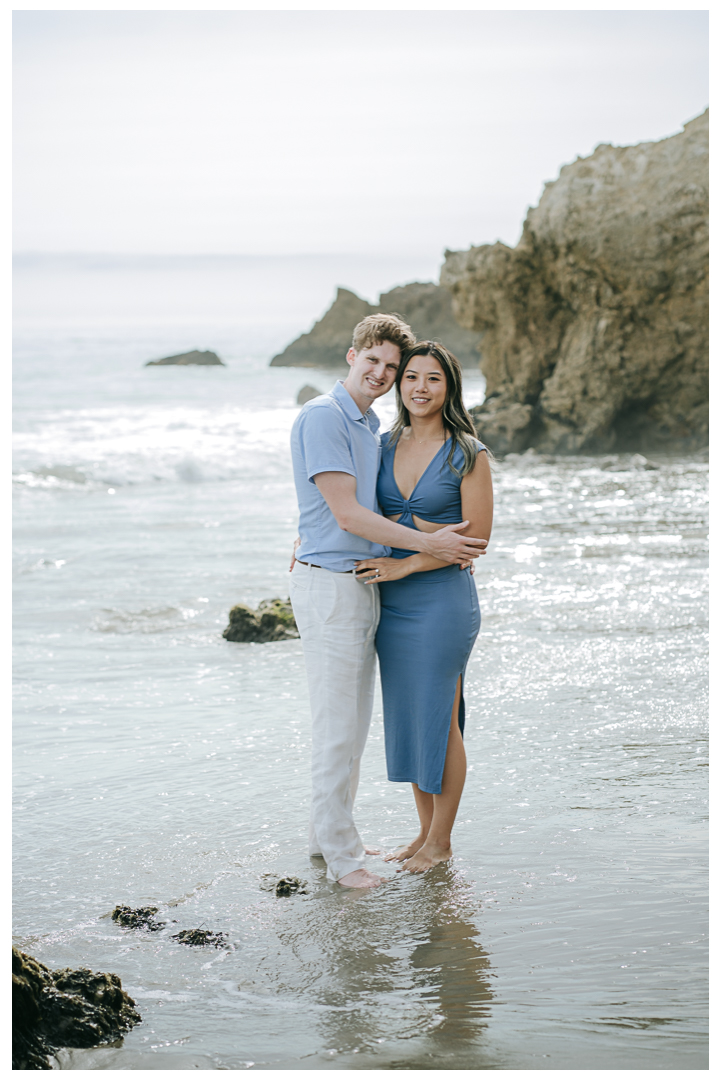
(347, 404)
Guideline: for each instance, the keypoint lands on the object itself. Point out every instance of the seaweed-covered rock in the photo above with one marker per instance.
(195, 356)
(64, 1008)
(283, 886)
(273, 621)
(201, 937)
(288, 886)
(142, 918)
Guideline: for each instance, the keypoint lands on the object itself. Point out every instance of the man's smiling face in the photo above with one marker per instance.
(372, 372)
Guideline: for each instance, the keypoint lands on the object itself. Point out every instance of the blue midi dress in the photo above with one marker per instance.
(428, 626)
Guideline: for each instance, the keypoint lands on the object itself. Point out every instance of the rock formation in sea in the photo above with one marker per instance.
(273, 621)
(193, 357)
(65, 1008)
(307, 393)
(595, 325)
(425, 306)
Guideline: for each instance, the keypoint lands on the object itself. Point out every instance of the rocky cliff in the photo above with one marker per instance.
(329, 340)
(595, 325)
(425, 306)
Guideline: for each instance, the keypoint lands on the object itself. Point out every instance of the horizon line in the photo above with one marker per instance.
(219, 254)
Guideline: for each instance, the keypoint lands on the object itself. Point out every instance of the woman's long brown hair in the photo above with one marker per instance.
(456, 419)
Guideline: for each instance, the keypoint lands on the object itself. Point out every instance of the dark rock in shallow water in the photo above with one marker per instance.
(273, 621)
(142, 918)
(193, 357)
(307, 393)
(65, 1008)
(288, 886)
(284, 886)
(200, 937)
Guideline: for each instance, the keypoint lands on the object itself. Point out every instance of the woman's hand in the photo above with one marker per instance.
(373, 571)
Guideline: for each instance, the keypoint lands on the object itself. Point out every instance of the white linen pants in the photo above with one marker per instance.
(337, 617)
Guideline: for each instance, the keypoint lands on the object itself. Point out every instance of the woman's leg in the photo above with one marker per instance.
(424, 806)
(436, 847)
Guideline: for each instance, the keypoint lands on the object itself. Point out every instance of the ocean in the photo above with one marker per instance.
(158, 764)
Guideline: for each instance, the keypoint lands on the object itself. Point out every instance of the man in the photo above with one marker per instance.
(336, 457)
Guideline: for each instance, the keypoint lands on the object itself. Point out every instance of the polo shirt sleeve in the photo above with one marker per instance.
(324, 442)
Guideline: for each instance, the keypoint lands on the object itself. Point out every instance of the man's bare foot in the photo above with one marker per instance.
(361, 879)
(429, 855)
(407, 851)
(371, 850)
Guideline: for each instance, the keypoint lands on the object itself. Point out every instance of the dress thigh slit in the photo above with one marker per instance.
(427, 629)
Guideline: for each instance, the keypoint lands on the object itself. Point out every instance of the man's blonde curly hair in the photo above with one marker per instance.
(374, 329)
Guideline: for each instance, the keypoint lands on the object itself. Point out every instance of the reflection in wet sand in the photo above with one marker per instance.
(454, 970)
(399, 975)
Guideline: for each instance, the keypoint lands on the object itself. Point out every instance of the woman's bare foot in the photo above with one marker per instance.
(406, 852)
(361, 879)
(426, 857)
(371, 850)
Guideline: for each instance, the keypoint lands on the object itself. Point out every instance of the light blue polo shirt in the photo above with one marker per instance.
(332, 435)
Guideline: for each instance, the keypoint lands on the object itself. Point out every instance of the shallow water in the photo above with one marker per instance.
(158, 764)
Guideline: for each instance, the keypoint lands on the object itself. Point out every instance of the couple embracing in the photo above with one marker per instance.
(383, 563)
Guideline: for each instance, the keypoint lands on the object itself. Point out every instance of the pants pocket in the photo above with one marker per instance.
(299, 579)
(324, 596)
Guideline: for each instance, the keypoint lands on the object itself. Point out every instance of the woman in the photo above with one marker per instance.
(433, 472)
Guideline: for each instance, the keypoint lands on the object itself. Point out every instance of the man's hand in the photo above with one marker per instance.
(448, 545)
(296, 545)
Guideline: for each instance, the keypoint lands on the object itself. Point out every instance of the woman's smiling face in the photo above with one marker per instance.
(423, 387)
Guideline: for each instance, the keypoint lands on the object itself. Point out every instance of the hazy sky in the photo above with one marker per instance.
(326, 131)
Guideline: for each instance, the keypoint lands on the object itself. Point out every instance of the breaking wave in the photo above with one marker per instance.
(183, 446)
